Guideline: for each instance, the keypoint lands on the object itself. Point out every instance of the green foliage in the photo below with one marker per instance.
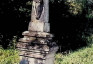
(1, 37)
(75, 8)
(88, 39)
(90, 14)
(9, 56)
(12, 43)
(26, 10)
(81, 56)
(29, 3)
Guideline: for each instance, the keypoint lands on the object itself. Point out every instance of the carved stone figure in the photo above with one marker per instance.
(40, 10)
(37, 10)
(39, 16)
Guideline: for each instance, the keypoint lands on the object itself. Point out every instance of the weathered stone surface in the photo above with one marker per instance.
(46, 48)
(31, 60)
(33, 50)
(53, 49)
(36, 26)
(29, 39)
(21, 45)
(22, 53)
(22, 49)
(39, 61)
(50, 56)
(21, 57)
(37, 34)
(35, 55)
(50, 59)
(23, 60)
(31, 54)
(35, 61)
(28, 33)
(46, 27)
(42, 41)
(46, 12)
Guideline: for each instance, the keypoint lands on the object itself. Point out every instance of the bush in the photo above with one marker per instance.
(75, 8)
(9, 56)
(88, 39)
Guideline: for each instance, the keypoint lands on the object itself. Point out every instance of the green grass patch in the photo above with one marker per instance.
(9, 56)
(81, 56)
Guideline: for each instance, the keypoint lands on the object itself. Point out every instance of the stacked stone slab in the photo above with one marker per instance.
(36, 47)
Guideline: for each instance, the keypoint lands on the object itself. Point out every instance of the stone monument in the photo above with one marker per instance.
(37, 47)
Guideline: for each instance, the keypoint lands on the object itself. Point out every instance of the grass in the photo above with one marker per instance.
(9, 56)
(81, 56)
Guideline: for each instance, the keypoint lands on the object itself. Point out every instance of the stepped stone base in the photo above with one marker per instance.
(36, 47)
(39, 58)
(37, 34)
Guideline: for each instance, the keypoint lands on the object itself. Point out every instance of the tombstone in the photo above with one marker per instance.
(37, 47)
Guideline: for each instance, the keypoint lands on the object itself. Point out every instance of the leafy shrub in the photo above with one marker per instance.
(74, 7)
(12, 43)
(88, 39)
(9, 56)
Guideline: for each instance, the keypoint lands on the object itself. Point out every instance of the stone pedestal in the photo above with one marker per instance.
(37, 47)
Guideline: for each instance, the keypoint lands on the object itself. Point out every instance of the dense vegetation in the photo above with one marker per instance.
(9, 56)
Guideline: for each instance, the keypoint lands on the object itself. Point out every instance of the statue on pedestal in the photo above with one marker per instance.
(36, 47)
